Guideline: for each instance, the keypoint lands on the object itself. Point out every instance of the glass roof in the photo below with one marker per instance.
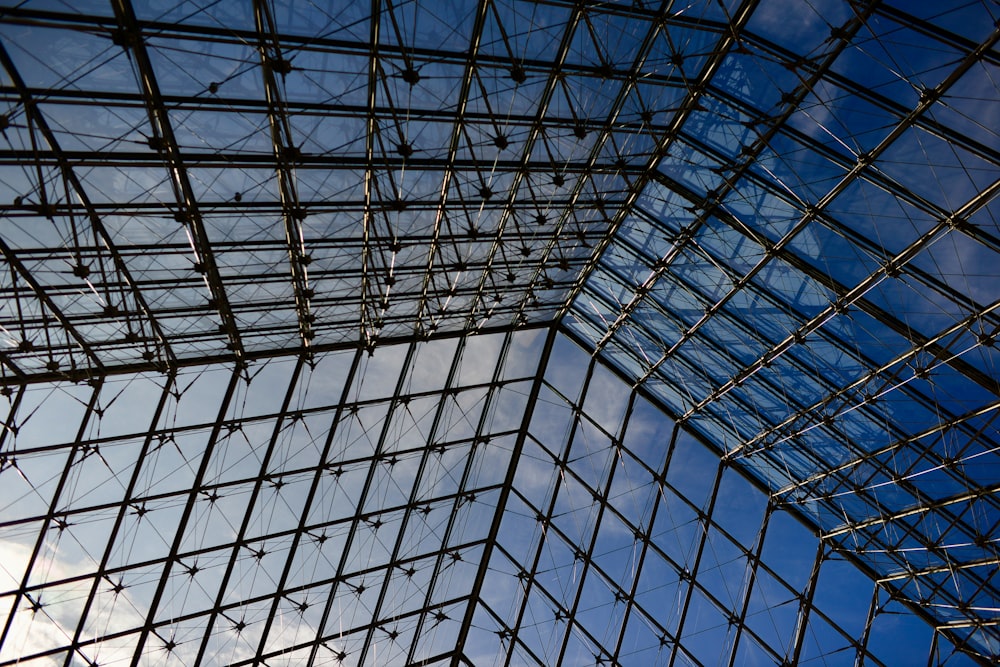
(499, 332)
(809, 281)
(234, 179)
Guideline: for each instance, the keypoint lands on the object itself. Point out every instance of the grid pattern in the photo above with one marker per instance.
(226, 180)
(499, 332)
(807, 282)
(628, 542)
(192, 520)
(524, 508)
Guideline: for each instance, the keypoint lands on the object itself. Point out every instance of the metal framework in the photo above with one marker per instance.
(497, 332)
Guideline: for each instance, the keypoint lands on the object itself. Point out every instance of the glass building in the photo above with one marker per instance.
(499, 332)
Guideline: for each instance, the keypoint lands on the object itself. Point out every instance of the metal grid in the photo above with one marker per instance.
(224, 180)
(524, 507)
(249, 245)
(330, 511)
(626, 541)
(815, 290)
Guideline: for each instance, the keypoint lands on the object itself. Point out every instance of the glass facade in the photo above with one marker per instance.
(499, 332)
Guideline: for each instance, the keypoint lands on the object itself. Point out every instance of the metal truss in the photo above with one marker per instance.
(875, 450)
(391, 443)
(689, 553)
(499, 332)
(492, 226)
